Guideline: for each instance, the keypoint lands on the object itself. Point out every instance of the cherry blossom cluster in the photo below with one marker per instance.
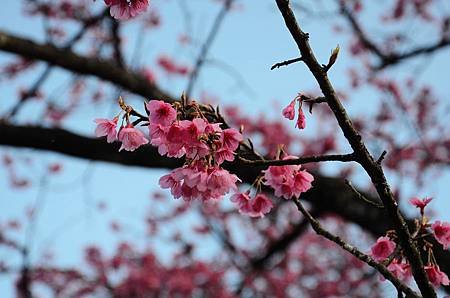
(386, 249)
(126, 9)
(204, 145)
(288, 181)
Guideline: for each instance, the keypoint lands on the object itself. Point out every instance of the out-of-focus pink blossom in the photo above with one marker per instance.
(106, 127)
(172, 68)
(131, 138)
(442, 233)
(383, 248)
(436, 276)
(126, 9)
(289, 111)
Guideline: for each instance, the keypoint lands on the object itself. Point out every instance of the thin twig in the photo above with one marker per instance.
(285, 63)
(361, 197)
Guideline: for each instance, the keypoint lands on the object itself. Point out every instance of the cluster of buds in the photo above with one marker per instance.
(387, 250)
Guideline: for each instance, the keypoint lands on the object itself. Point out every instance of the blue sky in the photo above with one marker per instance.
(250, 41)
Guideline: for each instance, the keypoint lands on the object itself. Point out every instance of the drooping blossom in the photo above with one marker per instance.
(301, 120)
(400, 270)
(436, 276)
(289, 111)
(420, 203)
(383, 248)
(442, 233)
(256, 207)
(196, 181)
(106, 127)
(288, 181)
(126, 9)
(131, 138)
(161, 112)
(261, 205)
(243, 202)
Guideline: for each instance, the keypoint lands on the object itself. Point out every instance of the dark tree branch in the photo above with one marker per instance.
(370, 165)
(64, 58)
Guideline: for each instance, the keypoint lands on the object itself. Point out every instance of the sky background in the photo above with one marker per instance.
(249, 42)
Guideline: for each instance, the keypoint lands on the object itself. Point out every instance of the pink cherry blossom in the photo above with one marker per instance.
(383, 248)
(171, 67)
(106, 127)
(442, 233)
(289, 111)
(220, 182)
(400, 270)
(256, 207)
(161, 112)
(126, 9)
(421, 204)
(243, 202)
(131, 138)
(288, 181)
(301, 120)
(302, 182)
(230, 138)
(196, 181)
(261, 205)
(436, 276)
